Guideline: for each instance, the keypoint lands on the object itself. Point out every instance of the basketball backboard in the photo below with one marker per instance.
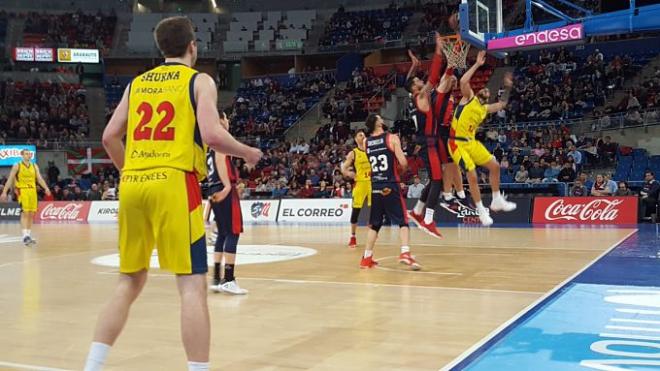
(478, 18)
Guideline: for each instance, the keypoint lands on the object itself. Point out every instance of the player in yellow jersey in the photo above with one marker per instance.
(466, 151)
(166, 115)
(25, 175)
(357, 167)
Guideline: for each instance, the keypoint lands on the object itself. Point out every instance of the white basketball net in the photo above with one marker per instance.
(456, 52)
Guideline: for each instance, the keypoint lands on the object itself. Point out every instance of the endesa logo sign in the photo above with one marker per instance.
(585, 210)
(63, 211)
(574, 32)
(315, 211)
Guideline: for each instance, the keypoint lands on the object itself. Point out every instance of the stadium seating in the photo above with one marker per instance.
(76, 30)
(264, 32)
(365, 26)
(140, 37)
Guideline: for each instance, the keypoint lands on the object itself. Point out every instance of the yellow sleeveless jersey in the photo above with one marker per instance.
(162, 126)
(362, 166)
(468, 118)
(26, 176)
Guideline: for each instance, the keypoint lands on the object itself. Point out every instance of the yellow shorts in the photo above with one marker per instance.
(27, 198)
(469, 155)
(161, 208)
(361, 191)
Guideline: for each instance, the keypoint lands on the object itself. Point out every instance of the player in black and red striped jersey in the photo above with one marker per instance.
(434, 107)
(226, 205)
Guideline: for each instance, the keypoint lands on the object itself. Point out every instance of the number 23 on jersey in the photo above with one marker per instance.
(378, 163)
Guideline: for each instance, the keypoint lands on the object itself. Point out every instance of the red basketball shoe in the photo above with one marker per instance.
(409, 260)
(367, 263)
(353, 242)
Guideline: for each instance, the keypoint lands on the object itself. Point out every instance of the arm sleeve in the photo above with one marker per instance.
(434, 73)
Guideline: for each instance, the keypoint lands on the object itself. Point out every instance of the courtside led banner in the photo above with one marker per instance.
(585, 210)
(11, 154)
(566, 34)
(66, 55)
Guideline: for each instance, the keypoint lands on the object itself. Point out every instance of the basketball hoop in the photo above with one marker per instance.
(456, 51)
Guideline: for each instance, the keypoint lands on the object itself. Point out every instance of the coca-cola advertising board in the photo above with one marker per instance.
(62, 211)
(585, 210)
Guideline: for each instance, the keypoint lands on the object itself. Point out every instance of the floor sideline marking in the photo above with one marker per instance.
(22, 366)
(283, 280)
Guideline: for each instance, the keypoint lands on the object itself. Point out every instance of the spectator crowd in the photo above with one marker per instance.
(41, 113)
(347, 28)
(266, 106)
(75, 30)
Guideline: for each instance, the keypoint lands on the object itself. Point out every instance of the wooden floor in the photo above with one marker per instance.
(319, 312)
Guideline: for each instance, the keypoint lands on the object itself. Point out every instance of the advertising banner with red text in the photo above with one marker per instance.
(62, 211)
(585, 210)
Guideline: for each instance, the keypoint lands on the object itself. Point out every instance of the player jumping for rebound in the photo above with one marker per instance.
(466, 151)
(433, 111)
(385, 155)
(361, 174)
(226, 206)
(25, 176)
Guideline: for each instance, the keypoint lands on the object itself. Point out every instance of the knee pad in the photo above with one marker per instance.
(219, 243)
(355, 214)
(231, 243)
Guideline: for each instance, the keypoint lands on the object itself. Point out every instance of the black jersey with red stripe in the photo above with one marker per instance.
(443, 111)
(384, 172)
(424, 120)
(213, 177)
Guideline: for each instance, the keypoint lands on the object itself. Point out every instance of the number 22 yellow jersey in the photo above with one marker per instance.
(162, 126)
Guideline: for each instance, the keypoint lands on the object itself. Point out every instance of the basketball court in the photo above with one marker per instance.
(311, 308)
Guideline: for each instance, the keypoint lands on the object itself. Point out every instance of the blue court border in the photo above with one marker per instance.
(475, 354)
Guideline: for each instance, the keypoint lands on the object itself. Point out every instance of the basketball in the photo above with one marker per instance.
(453, 21)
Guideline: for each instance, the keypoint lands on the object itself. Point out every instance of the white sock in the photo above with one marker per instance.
(98, 352)
(29, 232)
(461, 194)
(447, 196)
(419, 207)
(368, 253)
(497, 195)
(405, 249)
(198, 366)
(480, 205)
(25, 233)
(428, 219)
